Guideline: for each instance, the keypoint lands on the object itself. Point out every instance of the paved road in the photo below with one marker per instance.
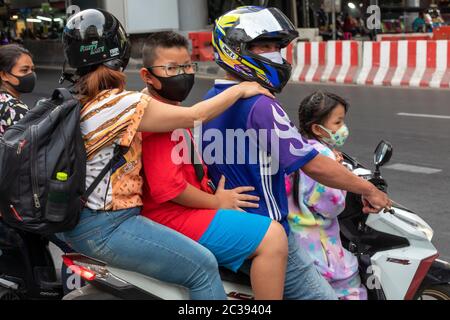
(415, 121)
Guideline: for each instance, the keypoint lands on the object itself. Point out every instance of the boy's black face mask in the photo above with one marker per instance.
(176, 88)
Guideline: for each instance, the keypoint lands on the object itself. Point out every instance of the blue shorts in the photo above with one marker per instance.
(233, 236)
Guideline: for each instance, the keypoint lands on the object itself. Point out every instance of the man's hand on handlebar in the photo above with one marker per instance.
(376, 201)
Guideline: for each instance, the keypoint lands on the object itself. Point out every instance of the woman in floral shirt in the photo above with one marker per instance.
(16, 77)
(11, 111)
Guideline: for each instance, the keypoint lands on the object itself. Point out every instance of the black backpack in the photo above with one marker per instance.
(43, 167)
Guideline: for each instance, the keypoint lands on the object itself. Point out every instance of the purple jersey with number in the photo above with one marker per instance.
(255, 144)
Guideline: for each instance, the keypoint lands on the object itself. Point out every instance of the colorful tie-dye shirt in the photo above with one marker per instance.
(316, 228)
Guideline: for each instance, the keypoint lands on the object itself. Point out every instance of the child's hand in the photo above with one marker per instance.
(339, 156)
(251, 89)
(235, 199)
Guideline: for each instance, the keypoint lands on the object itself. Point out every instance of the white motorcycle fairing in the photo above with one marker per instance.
(396, 269)
(168, 291)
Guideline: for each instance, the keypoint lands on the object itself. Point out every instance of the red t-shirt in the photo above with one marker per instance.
(166, 180)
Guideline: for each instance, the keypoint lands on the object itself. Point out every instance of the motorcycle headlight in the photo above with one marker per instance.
(427, 231)
(417, 222)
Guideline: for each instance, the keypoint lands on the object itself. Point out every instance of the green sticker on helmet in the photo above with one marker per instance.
(92, 48)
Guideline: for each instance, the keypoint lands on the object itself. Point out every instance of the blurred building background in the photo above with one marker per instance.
(40, 24)
(44, 20)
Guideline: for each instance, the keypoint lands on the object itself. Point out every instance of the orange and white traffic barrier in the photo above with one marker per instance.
(311, 61)
(288, 53)
(441, 77)
(404, 36)
(333, 61)
(406, 63)
(343, 61)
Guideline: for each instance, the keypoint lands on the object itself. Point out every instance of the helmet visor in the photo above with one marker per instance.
(264, 23)
(89, 24)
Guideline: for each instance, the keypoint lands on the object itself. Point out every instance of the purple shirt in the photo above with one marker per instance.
(254, 143)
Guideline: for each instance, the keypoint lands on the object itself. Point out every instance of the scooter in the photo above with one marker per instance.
(397, 259)
(396, 256)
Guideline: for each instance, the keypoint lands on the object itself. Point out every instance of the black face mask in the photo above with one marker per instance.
(175, 88)
(26, 83)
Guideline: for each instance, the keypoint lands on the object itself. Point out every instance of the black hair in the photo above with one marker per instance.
(316, 109)
(9, 55)
(161, 39)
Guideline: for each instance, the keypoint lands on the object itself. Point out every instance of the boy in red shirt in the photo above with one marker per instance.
(179, 195)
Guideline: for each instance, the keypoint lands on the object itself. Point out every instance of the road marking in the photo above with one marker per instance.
(413, 169)
(418, 115)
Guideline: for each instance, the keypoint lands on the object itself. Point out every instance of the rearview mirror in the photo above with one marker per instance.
(383, 154)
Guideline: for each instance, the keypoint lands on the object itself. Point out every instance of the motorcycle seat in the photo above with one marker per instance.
(237, 278)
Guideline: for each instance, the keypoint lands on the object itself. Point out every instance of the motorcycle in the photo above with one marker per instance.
(396, 256)
(397, 259)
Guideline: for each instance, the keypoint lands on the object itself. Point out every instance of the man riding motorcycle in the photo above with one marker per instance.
(247, 43)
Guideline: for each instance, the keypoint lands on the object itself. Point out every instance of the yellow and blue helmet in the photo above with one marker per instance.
(236, 30)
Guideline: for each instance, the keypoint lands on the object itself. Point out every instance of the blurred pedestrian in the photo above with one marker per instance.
(419, 23)
(3, 38)
(350, 27)
(428, 22)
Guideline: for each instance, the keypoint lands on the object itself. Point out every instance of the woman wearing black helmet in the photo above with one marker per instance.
(111, 228)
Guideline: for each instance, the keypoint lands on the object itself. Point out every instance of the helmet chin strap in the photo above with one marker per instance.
(67, 76)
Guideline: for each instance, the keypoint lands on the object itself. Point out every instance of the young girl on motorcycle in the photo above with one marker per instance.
(314, 208)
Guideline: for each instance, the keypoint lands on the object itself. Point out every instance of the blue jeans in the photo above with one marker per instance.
(303, 281)
(126, 240)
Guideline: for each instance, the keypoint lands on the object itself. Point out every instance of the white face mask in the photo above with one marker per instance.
(275, 57)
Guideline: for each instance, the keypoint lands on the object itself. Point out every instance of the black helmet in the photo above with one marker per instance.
(94, 37)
